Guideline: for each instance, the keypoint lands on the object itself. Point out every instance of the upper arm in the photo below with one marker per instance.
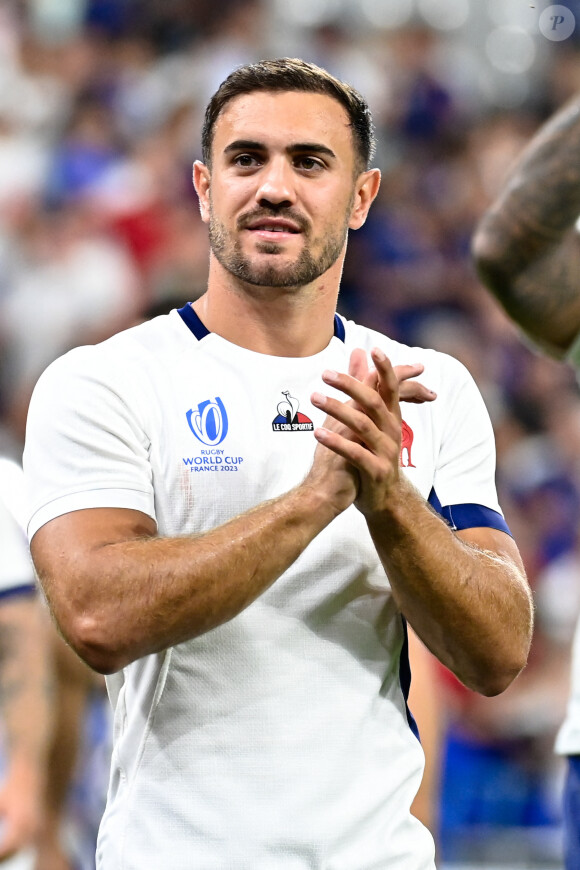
(534, 276)
(66, 549)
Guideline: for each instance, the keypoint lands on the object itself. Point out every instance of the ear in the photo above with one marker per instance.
(201, 182)
(366, 188)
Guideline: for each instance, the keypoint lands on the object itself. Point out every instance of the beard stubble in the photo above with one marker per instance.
(305, 269)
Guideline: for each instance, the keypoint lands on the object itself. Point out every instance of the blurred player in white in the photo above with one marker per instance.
(25, 703)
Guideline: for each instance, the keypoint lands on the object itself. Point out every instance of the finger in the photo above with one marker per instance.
(370, 427)
(358, 366)
(408, 370)
(388, 385)
(366, 415)
(372, 379)
(365, 461)
(412, 390)
(365, 401)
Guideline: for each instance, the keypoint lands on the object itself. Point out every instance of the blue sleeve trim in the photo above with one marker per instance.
(26, 590)
(192, 321)
(469, 516)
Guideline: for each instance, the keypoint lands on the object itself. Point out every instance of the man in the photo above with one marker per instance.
(216, 505)
(527, 251)
(25, 706)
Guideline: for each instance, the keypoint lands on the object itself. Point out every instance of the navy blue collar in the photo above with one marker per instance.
(200, 331)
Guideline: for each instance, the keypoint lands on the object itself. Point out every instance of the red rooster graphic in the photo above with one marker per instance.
(406, 444)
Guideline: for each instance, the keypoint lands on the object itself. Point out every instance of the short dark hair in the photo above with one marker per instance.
(292, 74)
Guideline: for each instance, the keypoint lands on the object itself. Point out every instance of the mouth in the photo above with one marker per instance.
(276, 229)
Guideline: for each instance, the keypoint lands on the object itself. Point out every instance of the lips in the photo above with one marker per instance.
(268, 223)
(274, 229)
(273, 226)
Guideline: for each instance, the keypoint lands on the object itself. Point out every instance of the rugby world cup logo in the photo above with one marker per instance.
(209, 422)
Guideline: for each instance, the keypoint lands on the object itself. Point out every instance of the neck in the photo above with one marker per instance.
(271, 320)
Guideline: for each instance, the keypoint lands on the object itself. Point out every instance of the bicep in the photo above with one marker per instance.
(63, 549)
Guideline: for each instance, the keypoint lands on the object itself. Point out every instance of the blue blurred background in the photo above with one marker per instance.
(100, 110)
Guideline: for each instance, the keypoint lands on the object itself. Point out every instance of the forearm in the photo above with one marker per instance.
(117, 601)
(526, 247)
(471, 608)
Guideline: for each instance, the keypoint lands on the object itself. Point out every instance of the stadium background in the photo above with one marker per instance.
(100, 108)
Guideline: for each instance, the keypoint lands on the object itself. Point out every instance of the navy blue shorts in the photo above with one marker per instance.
(572, 814)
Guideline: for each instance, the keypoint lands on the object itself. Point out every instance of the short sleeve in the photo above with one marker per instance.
(16, 571)
(86, 444)
(464, 489)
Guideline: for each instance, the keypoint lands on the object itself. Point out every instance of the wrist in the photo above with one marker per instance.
(319, 505)
(395, 509)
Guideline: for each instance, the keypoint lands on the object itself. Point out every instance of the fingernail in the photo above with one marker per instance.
(378, 353)
(329, 375)
(317, 399)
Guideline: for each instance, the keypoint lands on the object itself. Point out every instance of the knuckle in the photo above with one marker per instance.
(366, 426)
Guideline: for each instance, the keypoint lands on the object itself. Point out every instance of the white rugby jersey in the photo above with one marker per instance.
(16, 571)
(280, 740)
(568, 738)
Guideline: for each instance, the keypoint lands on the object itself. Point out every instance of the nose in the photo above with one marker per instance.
(276, 183)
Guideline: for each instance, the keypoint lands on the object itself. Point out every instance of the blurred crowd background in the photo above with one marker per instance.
(100, 113)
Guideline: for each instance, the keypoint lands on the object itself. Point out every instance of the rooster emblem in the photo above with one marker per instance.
(406, 444)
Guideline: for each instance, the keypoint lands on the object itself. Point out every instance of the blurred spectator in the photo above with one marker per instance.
(73, 284)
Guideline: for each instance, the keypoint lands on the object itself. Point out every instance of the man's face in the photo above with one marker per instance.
(281, 187)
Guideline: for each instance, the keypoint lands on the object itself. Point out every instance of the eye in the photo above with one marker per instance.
(309, 164)
(246, 161)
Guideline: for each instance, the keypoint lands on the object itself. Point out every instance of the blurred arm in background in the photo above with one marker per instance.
(526, 246)
(527, 251)
(25, 702)
(74, 684)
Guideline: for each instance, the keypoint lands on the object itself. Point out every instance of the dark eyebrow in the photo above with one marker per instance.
(244, 145)
(310, 147)
(294, 148)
